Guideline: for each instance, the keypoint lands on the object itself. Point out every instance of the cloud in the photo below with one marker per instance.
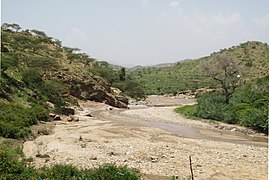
(174, 4)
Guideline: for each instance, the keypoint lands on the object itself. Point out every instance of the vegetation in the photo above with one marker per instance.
(249, 106)
(13, 165)
(227, 72)
(16, 120)
(187, 75)
(34, 68)
(183, 76)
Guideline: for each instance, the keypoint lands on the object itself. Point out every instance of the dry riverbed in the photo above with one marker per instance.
(154, 140)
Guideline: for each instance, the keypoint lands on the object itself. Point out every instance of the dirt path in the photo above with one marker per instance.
(150, 139)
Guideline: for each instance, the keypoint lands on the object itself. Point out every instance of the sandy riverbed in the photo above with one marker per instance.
(129, 137)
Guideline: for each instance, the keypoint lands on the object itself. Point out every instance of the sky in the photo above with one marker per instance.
(144, 32)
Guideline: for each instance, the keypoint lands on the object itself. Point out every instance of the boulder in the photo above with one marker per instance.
(30, 149)
(68, 111)
(57, 118)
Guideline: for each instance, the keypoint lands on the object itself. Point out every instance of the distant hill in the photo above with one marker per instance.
(187, 74)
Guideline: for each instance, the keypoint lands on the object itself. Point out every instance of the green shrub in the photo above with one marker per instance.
(16, 120)
(247, 108)
(113, 172)
(32, 77)
(12, 164)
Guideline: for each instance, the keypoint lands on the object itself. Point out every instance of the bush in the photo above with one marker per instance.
(16, 120)
(111, 171)
(32, 77)
(246, 108)
(10, 165)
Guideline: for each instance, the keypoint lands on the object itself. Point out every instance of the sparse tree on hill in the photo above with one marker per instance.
(227, 72)
(11, 27)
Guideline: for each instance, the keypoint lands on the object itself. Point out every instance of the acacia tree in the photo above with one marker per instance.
(11, 27)
(227, 72)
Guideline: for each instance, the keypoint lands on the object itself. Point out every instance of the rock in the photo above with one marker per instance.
(233, 130)
(94, 89)
(70, 119)
(42, 155)
(164, 156)
(68, 111)
(30, 149)
(44, 131)
(93, 158)
(109, 108)
(52, 115)
(49, 105)
(154, 159)
(88, 115)
(57, 118)
(83, 145)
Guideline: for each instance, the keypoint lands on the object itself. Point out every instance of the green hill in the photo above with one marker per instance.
(187, 75)
(39, 75)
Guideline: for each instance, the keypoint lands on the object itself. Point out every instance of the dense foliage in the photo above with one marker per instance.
(16, 120)
(248, 107)
(14, 166)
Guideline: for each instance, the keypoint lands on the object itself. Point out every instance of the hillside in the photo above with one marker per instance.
(35, 65)
(187, 75)
(39, 75)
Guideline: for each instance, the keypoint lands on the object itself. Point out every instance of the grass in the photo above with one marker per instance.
(187, 111)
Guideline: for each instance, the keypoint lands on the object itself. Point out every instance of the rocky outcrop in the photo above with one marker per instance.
(94, 89)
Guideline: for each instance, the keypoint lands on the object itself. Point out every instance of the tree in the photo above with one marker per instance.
(227, 72)
(122, 74)
(11, 27)
(37, 33)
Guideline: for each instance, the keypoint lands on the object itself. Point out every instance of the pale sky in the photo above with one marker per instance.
(144, 32)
